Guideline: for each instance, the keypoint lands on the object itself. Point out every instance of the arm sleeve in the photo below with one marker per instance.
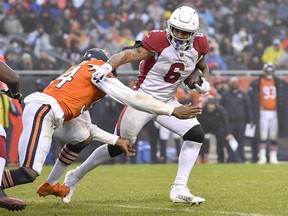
(138, 100)
(102, 136)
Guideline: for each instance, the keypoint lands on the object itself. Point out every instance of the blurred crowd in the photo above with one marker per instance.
(51, 34)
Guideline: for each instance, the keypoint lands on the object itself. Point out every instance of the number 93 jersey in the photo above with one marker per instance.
(161, 74)
(74, 91)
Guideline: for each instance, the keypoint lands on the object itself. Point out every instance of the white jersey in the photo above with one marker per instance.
(162, 74)
(2, 131)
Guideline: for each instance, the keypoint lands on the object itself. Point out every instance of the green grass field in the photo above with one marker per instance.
(229, 189)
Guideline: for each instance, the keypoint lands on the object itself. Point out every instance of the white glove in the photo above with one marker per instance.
(204, 88)
(93, 68)
(101, 72)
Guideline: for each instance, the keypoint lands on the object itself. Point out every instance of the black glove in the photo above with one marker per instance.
(17, 96)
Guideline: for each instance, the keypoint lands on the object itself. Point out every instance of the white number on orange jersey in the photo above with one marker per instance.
(269, 92)
(67, 77)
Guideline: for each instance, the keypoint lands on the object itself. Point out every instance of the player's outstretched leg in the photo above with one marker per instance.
(10, 203)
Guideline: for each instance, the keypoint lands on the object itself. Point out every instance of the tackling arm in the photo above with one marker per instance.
(144, 102)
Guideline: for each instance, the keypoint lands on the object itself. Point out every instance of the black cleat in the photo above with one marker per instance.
(10, 203)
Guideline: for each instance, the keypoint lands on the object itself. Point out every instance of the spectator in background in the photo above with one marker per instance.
(26, 62)
(239, 111)
(47, 21)
(166, 135)
(11, 25)
(214, 120)
(11, 58)
(149, 26)
(155, 12)
(228, 25)
(136, 24)
(273, 52)
(263, 35)
(30, 22)
(126, 38)
(219, 87)
(269, 99)
(283, 60)
(282, 10)
(227, 52)
(206, 14)
(101, 22)
(66, 22)
(46, 62)
(109, 44)
(58, 40)
(280, 28)
(77, 36)
(53, 8)
(240, 64)
(214, 61)
(16, 45)
(241, 40)
(255, 63)
(258, 49)
(39, 40)
(87, 22)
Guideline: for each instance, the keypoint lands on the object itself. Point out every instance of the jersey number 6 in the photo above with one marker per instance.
(173, 74)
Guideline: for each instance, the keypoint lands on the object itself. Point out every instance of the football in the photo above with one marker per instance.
(194, 77)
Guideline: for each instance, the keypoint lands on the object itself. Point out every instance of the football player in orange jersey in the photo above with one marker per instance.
(269, 101)
(9, 77)
(62, 106)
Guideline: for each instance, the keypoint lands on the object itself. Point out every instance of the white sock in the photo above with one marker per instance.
(98, 157)
(262, 152)
(273, 154)
(2, 165)
(187, 158)
(57, 171)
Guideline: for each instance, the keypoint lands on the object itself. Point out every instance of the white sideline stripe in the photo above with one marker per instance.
(162, 209)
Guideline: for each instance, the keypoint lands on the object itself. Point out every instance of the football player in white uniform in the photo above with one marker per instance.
(169, 56)
(9, 77)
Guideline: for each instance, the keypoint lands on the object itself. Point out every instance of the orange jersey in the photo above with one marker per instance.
(74, 90)
(180, 94)
(268, 94)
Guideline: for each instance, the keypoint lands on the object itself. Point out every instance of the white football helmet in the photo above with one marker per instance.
(186, 19)
(269, 70)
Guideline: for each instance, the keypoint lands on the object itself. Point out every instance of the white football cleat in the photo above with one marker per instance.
(262, 160)
(181, 194)
(273, 158)
(71, 181)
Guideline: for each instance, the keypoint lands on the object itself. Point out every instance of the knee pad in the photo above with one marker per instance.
(273, 142)
(114, 150)
(195, 134)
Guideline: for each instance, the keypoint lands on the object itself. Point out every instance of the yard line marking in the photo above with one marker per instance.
(185, 209)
